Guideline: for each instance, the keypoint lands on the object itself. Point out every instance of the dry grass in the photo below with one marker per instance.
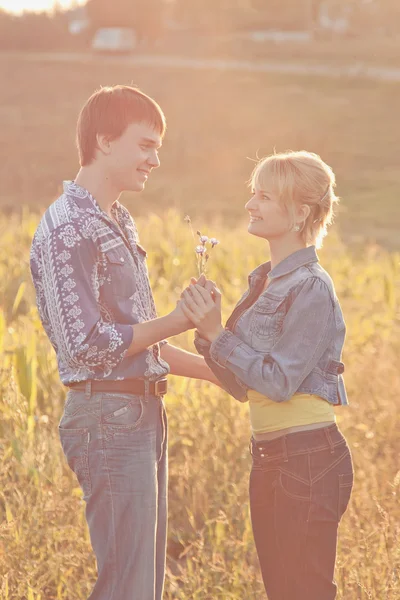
(44, 545)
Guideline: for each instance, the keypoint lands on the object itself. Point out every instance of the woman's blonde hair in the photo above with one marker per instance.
(300, 178)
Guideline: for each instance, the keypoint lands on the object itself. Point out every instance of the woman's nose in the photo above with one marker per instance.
(250, 204)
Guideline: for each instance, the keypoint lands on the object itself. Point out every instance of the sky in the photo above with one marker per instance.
(17, 6)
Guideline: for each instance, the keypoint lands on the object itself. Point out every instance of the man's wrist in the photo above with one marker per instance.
(176, 324)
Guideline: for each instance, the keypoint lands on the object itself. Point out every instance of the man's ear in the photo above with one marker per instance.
(103, 143)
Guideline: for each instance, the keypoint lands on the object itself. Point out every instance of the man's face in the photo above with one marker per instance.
(133, 156)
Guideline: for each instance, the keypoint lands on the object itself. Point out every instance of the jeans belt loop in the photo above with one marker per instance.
(146, 389)
(329, 439)
(88, 389)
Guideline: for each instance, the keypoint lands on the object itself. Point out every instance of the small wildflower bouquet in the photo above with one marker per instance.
(202, 253)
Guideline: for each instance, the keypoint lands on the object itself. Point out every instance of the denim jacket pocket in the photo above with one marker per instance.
(268, 316)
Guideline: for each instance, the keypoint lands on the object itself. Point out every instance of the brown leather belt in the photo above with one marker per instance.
(129, 386)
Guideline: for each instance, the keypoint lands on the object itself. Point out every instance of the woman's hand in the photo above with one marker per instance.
(203, 307)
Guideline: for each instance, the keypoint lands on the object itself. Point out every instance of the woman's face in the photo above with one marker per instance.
(269, 218)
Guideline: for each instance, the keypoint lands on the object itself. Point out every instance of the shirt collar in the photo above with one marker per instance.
(297, 259)
(85, 200)
(84, 197)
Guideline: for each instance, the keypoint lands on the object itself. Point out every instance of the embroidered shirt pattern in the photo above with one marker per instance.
(92, 284)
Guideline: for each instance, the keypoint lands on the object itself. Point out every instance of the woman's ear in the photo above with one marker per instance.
(304, 212)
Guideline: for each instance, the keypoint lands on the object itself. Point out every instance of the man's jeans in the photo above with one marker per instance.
(300, 486)
(116, 444)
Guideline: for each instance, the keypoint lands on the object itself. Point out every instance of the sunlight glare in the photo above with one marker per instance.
(18, 6)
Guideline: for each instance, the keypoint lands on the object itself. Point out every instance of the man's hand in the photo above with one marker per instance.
(182, 321)
(203, 309)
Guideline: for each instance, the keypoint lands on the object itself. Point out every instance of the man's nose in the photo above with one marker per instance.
(154, 160)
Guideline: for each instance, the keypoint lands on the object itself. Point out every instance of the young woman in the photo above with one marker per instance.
(281, 350)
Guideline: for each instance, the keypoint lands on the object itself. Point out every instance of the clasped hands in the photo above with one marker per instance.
(201, 304)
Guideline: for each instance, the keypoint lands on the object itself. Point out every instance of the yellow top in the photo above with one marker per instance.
(302, 409)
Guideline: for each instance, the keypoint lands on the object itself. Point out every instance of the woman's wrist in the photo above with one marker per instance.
(211, 336)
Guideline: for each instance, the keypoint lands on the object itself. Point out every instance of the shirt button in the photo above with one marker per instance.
(122, 259)
(263, 455)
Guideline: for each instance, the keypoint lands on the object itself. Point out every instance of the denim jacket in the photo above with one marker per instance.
(287, 339)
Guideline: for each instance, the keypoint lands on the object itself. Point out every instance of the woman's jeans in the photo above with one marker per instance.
(300, 486)
(116, 444)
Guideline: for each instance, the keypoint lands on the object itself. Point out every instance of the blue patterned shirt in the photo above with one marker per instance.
(92, 285)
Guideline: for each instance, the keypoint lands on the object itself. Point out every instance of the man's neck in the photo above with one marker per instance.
(94, 181)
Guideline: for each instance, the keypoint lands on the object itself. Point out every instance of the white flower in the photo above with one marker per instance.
(200, 250)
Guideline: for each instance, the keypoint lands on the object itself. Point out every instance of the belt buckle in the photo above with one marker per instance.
(160, 387)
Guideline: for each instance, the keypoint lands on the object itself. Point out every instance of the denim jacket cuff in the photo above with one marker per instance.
(202, 345)
(223, 346)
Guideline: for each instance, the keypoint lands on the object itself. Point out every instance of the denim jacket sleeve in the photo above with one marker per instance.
(307, 330)
(68, 287)
(227, 379)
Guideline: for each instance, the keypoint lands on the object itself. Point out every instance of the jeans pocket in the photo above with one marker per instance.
(345, 488)
(294, 487)
(75, 445)
(122, 412)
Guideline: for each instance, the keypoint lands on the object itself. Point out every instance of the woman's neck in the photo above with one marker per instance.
(281, 249)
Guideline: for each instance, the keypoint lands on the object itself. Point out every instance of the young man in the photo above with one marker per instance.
(96, 305)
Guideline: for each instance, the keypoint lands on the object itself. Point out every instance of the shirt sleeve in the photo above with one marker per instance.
(70, 290)
(306, 333)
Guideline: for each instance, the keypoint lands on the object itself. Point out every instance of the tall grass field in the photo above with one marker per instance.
(44, 545)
